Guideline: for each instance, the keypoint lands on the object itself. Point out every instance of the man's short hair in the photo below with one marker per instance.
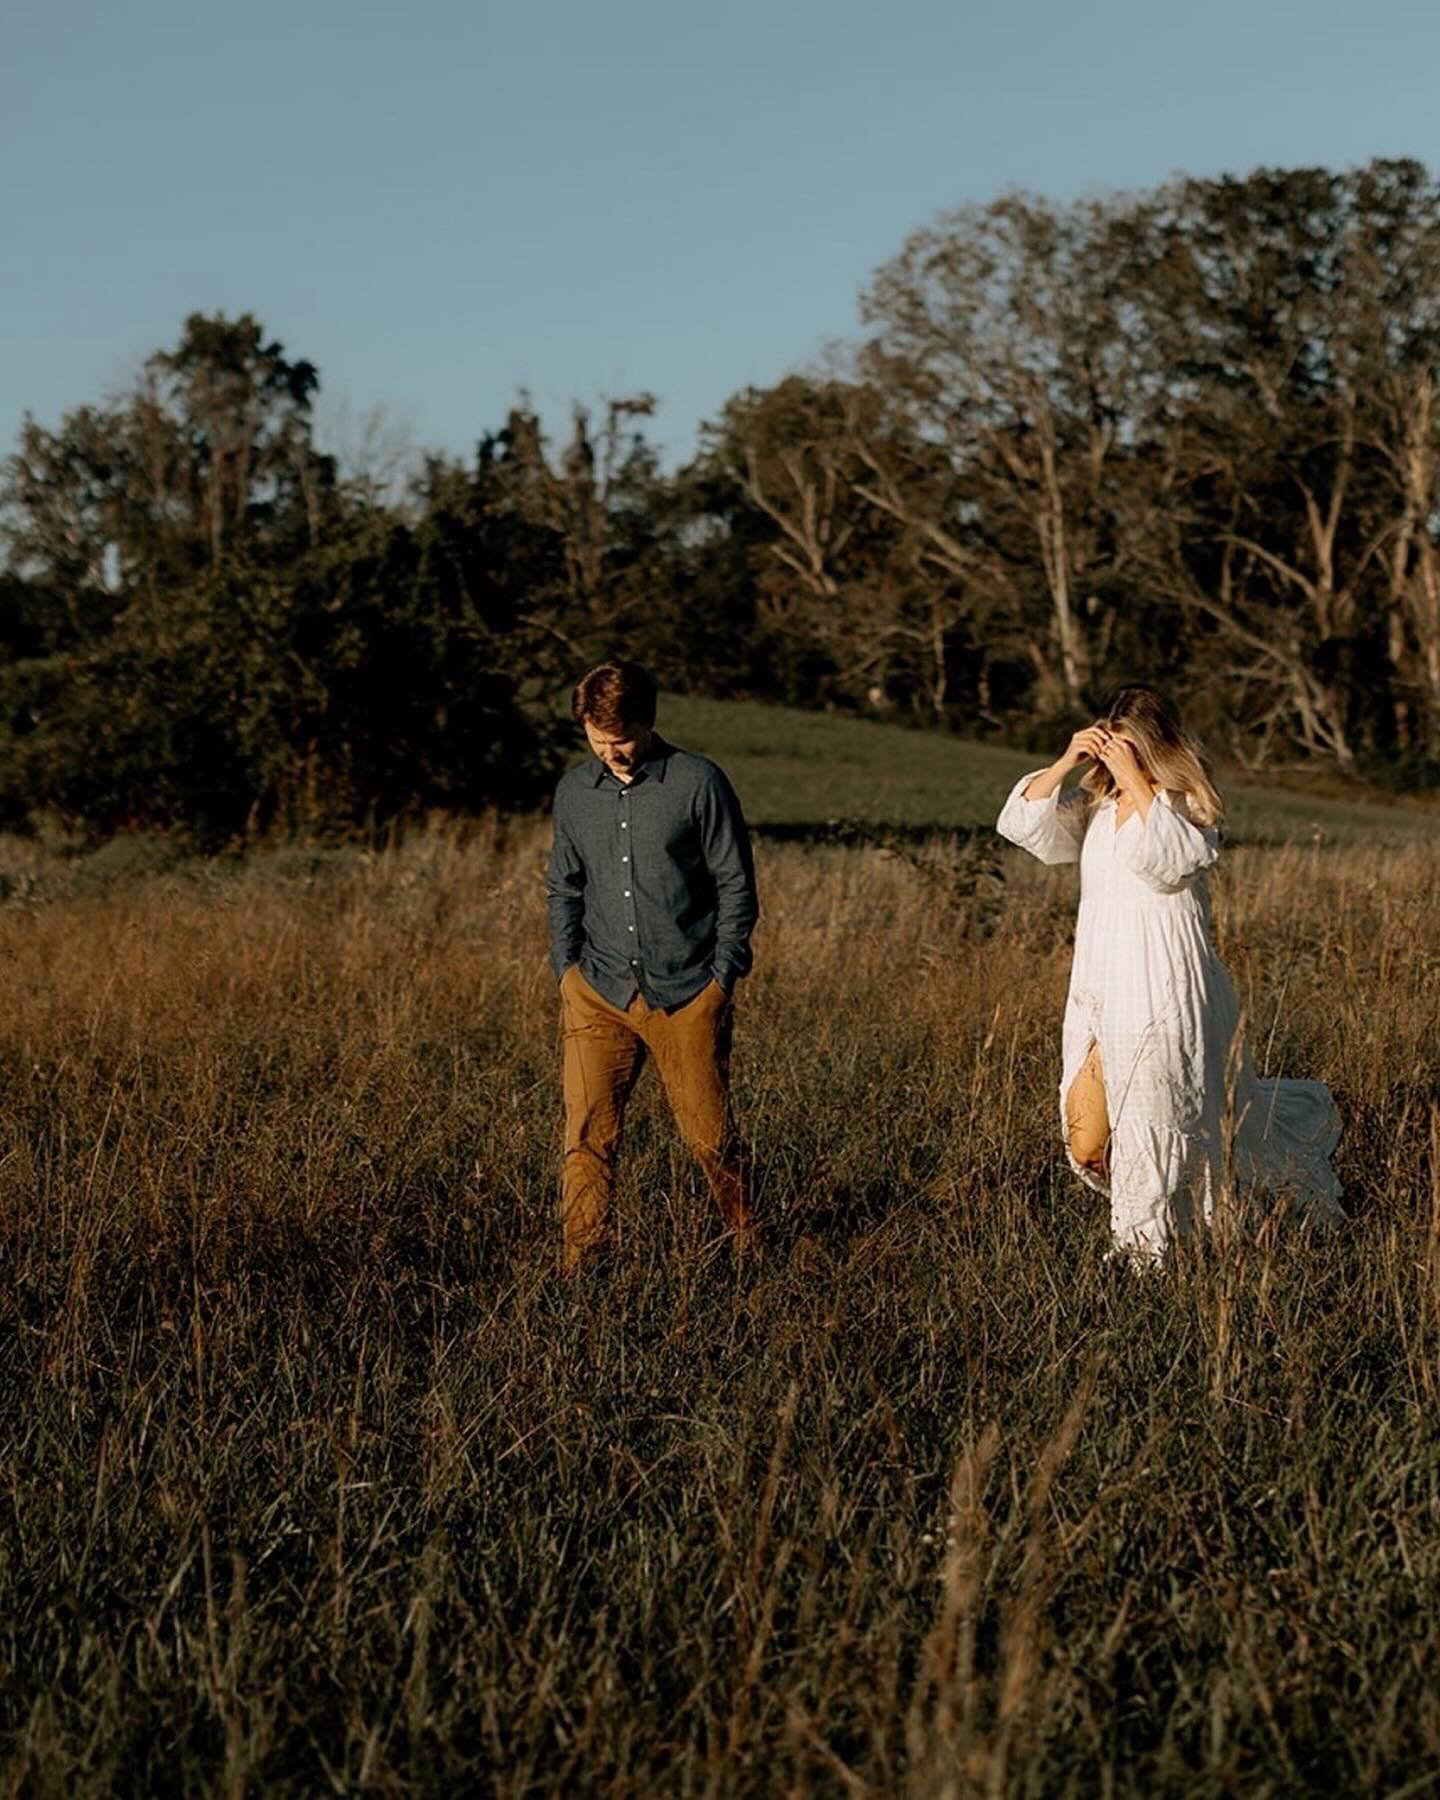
(614, 694)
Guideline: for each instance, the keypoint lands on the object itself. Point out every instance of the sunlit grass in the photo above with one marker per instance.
(315, 1481)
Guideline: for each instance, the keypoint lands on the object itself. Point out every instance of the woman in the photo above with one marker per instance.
(1156, 1082)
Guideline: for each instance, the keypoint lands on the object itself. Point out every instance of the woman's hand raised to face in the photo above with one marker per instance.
(1118, 756)
(1086, 746)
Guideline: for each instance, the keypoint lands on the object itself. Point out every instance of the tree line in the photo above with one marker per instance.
(1189, 436)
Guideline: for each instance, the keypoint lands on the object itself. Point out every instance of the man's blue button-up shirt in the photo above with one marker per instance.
(651, 885)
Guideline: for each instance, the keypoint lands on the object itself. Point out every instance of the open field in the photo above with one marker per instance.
(802, 768)
(315, 1481)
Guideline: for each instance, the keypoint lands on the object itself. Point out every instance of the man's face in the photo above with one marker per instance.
(622, 748)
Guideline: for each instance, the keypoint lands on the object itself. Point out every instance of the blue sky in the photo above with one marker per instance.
(439, 203)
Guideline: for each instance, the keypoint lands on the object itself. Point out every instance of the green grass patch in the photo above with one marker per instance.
(802, 769)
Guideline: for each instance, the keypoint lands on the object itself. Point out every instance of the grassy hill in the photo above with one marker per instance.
(803, 769)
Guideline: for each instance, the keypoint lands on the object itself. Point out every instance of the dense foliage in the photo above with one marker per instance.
(1190, 435)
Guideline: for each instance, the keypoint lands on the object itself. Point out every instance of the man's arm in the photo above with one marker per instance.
(565, 894)
(726, 842)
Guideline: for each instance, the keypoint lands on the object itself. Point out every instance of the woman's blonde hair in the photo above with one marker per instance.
(1166, 752)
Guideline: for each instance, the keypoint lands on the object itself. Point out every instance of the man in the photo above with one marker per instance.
(651, 891)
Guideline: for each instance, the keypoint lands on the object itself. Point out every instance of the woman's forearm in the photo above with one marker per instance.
(1043, 785)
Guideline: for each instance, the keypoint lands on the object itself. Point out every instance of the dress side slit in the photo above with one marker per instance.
(1087, 1113)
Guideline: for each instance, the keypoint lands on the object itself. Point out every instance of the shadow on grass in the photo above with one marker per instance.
(869, 832)
(875, 834)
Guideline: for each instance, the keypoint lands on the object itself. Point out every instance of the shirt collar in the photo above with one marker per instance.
(656, 762)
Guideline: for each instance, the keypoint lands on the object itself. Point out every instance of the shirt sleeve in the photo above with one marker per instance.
(726, 842)
(1169, 850)
(565, 894)
(1052, 829)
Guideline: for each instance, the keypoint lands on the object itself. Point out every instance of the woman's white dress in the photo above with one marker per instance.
(1147, 986)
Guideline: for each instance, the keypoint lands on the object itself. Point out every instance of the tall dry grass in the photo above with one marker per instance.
(315, 1481)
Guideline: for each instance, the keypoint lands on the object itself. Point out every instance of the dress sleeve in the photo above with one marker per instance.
(1052, 829)
(1169, 850)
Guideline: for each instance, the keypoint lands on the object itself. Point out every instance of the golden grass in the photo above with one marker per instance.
(315, 1481)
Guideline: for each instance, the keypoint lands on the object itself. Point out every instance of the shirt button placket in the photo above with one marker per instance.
(630, 920)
